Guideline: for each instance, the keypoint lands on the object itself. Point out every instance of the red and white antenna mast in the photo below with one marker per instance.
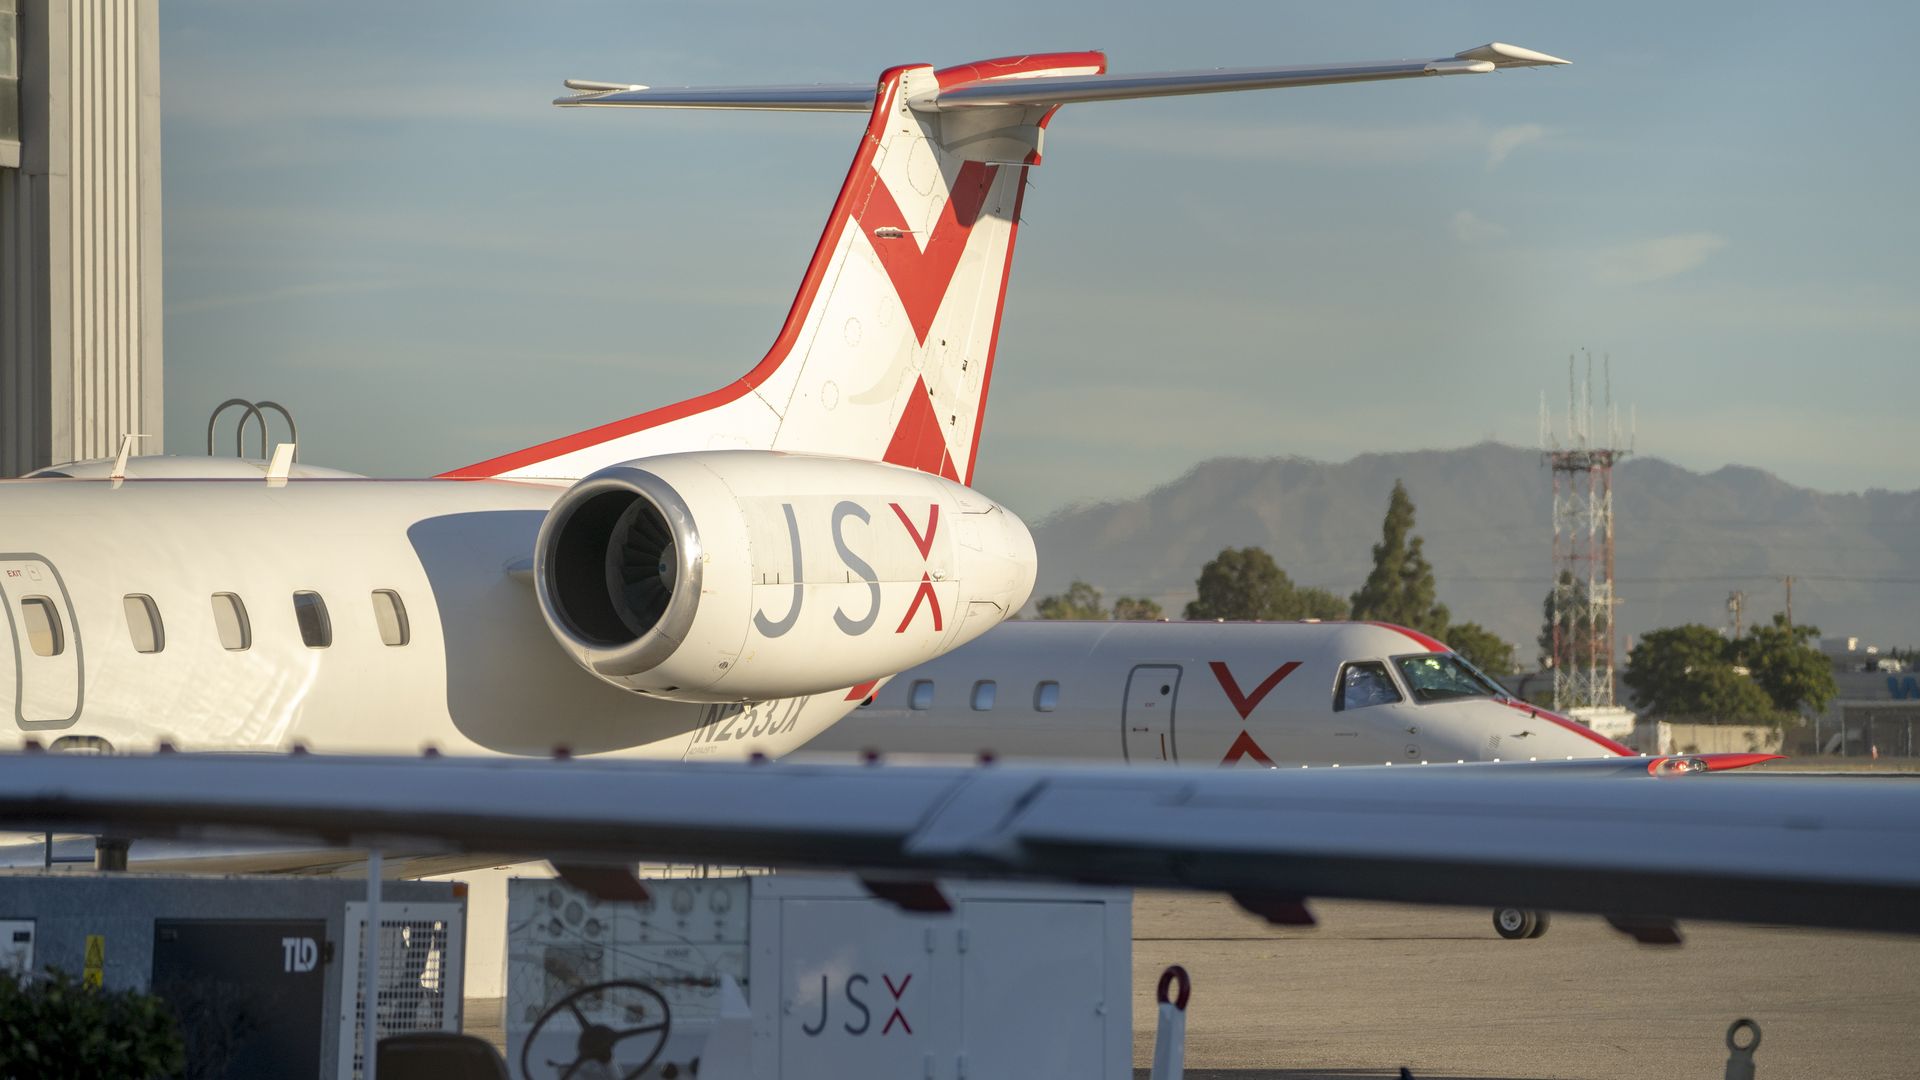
(1581, 457)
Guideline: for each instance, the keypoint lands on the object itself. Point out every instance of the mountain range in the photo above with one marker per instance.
(1683, 540)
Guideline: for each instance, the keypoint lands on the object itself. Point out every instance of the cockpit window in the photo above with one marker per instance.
(1442, 677)
(1363, 684)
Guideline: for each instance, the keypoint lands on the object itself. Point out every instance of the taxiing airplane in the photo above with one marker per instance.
(725, 575)
(1207, 693)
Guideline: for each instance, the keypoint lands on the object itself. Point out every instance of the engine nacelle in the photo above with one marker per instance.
(743, 575)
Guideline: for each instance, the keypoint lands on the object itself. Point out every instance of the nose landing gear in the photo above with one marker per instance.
(1516, 923)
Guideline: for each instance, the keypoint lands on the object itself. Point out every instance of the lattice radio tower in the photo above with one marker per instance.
(1582, 461)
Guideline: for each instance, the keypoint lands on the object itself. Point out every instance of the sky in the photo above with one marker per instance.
(374, 215)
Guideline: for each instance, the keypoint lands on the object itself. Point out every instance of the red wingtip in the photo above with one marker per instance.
(1690, 763)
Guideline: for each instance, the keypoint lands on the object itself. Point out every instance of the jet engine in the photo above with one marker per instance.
(730, 576)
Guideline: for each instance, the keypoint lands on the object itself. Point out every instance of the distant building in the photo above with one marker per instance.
(1852, 654)
(1878, 707)
(80, 292)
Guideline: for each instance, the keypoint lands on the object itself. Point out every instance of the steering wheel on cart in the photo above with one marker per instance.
(596, 1041)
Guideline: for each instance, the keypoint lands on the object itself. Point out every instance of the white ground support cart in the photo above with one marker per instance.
(1015, 980)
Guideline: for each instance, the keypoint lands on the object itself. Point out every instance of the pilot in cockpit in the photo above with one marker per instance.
(1367, 684)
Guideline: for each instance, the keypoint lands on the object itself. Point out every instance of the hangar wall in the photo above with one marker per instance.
(80, 286)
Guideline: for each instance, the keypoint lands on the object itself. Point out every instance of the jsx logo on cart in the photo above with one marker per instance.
(299, 954)
(855, 987)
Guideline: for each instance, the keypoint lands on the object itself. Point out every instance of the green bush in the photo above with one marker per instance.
(55, 1026)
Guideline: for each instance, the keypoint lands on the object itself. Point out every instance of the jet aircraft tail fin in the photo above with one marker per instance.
(887, 352)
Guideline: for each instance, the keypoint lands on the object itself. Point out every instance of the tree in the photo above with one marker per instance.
(1482, 647)
(1136, 609)
(1241, 583)
(1312, 603)
(1787, 664)
(57, 1025)
(1579, 604)
(1080, 601)
(1400, 587)
(1245, 583)
(1688, 671)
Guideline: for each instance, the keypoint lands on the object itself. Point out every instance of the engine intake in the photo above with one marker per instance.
(620, 570)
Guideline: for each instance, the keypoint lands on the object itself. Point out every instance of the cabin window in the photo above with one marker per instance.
(983, 694)
(1046, 696)
(143, 623)
(390, 613)
(920, 695)
(44, 632)
(230, 620)
(1363, 684)
(310, 611)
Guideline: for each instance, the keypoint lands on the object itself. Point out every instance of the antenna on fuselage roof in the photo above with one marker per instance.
(126, 450)
(282, 463)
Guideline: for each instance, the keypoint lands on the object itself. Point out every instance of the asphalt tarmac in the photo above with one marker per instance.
(1376, 987)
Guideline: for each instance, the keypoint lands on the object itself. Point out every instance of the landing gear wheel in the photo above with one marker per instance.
(637, 1003)
(1540, 921)
(1515, 923)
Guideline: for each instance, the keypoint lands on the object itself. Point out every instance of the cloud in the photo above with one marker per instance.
(1508, 139)
(1470, 228)
(1656, 259)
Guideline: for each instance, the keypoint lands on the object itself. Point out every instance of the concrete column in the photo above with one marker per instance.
(80, 257)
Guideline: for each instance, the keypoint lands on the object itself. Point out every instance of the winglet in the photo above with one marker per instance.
(1500, 54)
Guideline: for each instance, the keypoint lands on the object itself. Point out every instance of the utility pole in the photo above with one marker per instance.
(1789, 580)
(1736, 604)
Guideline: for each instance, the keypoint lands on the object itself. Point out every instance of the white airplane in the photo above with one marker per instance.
(726, 575)
(1268, 694)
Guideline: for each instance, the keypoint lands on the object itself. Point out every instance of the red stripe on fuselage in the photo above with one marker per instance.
(1428, 643)
(1568, 723)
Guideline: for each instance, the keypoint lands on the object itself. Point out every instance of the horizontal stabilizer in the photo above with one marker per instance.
(977, 86)
(825, 97)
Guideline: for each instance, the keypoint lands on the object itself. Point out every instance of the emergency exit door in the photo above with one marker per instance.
(45, 660)
(1147, 722)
